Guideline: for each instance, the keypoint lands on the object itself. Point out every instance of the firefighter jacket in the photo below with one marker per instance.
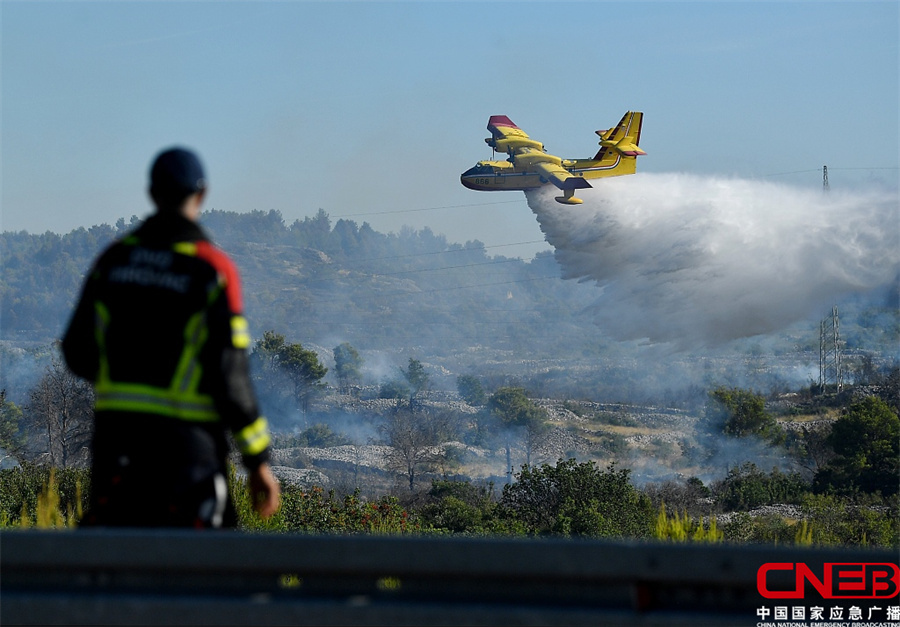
(159, 331)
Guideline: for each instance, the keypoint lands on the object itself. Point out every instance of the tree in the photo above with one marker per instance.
(270, 381)
(282, 365)
(810, 447)
(11, 437)
(518, 414)
(347, 364)
(890, 388)
(415, 380)
(471, 390)
(60, 413)
(414, 439)
(573, 499)
(394, 389)
(416, 377)
(305, 371)
(867, 444)
(741, 413)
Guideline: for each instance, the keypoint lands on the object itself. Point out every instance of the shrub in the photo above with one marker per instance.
(48, 497)
(573, 499)
(867, 443)
(461, 507)
(741, 413)
(682, 528)
(834, 522)
(690, 496)
(746, 487)
(316, 511)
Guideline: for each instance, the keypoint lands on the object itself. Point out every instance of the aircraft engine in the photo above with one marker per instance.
(512, 143)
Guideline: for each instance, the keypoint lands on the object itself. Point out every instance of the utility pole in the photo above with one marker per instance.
(831, 370)
(825, 178)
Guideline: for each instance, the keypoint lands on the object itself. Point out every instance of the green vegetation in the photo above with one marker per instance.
(315, 511)
(471, 390)
(867, 443)
(336, 278)
(347, 366)
(741, 413)
(850, 498)
(11, 437)
(460, 309)
(42, 496)
(316, 279)
(317, 436)
(570, 499)
(416, 378)
(683, 528)
(287, 375)
(516, 414)
(747, 487)
(461, 507)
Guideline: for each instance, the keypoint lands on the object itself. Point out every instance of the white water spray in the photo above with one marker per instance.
(698, 261)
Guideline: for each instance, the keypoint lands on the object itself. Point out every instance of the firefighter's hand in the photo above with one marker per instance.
(265, 491)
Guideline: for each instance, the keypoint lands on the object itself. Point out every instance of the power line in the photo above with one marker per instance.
(417, 293)
(377, 213)
(468, 265)
(819, 170)
(310, 282)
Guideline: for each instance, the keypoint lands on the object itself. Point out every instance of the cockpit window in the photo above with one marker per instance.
(479, 169)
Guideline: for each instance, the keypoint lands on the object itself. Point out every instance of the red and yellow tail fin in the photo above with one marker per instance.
(623, 139)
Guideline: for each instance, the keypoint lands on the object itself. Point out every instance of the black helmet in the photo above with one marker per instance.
(176, 174)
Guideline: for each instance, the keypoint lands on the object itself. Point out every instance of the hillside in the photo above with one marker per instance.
(343, 443)
(456, 307)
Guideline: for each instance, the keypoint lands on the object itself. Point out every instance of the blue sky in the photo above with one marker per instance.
(372, 110)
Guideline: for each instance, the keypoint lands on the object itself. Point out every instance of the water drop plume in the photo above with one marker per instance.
(698, 261)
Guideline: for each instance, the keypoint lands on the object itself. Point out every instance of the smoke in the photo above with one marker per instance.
(699, 261)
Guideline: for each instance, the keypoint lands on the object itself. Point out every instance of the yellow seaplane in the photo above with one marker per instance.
(529, 166)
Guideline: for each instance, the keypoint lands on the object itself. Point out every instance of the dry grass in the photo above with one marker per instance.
(829, 413)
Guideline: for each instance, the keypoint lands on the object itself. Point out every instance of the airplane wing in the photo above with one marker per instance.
(559, 176)
(507, 137)
(624, 138)
(551, 170)
(549, 167)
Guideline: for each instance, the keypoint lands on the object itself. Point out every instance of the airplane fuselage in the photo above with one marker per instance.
(494, 176)
(487, 179)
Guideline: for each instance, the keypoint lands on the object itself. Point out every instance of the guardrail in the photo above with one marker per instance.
(157, 577)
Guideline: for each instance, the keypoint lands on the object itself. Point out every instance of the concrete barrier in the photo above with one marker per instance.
(166, 577)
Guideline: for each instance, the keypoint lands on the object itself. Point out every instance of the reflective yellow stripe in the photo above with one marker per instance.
(187, 374)
(254, 438)
(185, 248)
(151, 400)
(240, 332)
(101, 322)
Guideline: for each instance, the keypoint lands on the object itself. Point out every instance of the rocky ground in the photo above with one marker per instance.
(787, 512)
(653, 441)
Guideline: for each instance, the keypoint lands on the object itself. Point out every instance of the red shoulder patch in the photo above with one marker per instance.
(226, 269)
